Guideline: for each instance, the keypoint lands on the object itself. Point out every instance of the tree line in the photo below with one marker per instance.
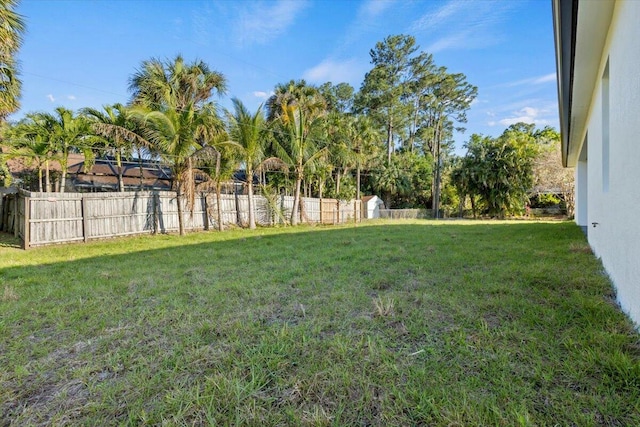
(392, 137)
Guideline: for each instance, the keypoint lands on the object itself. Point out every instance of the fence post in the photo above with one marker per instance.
(238, 214)
(154, 198)
(27, 228)
(85, 220)
(2, 203)
(281, 207)
(206, 211)
(16, 227)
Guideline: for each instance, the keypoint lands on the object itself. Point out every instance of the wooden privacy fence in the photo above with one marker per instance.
(48, 218)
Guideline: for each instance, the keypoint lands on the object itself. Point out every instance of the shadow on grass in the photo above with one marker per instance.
(9, 241)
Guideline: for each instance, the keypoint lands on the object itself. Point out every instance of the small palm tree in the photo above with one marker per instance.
(115, 123)
(67, 132)
(300, 149)
(64, 132)
(297, 110)
(30, 141)
(220, 167)
(246, 131)
(180, 136)
(391, 179)
(30, 144)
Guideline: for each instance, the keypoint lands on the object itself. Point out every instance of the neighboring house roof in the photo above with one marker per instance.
(365, 199)
(19, 165)
(104, 174)
(580, 29)
(372, 199)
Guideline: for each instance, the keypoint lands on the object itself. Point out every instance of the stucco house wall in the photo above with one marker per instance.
(603, 140)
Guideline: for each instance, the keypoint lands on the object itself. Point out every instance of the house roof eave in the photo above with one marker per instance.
(580, 30)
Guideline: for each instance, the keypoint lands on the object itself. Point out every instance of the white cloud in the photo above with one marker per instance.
(370, 17)
(451, 42)
(261, 94)
(261, 22)
(374, 8)
(51, 98)
(545, 79)
(456, 25)
(71, 97)
(538, 80)
(330, 70)
(526, 115)
(428, 21)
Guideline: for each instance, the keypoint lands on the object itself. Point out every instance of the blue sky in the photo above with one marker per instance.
(81, 53)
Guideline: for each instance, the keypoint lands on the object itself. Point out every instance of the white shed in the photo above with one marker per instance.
(371, 206)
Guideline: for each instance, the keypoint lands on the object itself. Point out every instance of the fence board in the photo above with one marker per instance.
(68, 217)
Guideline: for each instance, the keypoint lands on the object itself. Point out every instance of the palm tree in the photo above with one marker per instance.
(180, 137)
(288, 94)
(31, 143)
(175, 84)
(299, 148)
(220, 167)
(391, 179)
(246, 131)
(62, 132)
(115, 124)
(11, 30)
(66, 132)
(172, 100)
(297, 109)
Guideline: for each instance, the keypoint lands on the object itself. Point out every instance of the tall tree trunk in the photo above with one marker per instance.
(40, 178)
(119, 166)
(296, 199)
(436, 189)
(358, 182)
(389, 140)
(252, 217)
(141, 169)
(303, 212)
(219, 204)
(473, 205)
(47, 176)
(436, 195)
(63, 179)
(414, 125)
(64, 163)
(338, 176)
(218, 192)
(179, 201)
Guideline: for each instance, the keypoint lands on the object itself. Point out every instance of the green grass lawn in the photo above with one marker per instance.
(405, 323)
